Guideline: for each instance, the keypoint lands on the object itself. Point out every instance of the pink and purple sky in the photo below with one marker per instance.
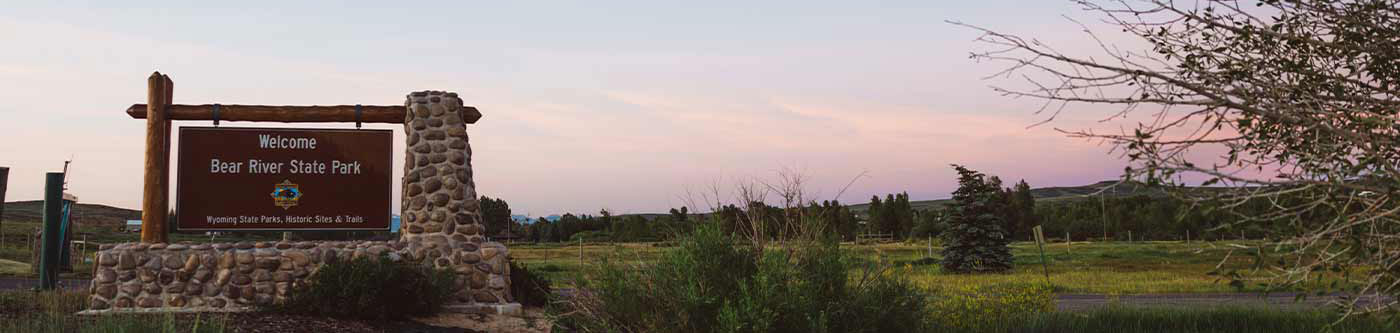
(587, 105)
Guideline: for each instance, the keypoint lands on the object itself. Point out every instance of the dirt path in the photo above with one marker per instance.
(1287, 301)
(532, 321)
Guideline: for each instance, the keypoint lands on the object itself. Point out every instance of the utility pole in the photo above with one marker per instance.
(4, 183)
(1103, 212)
(53, 207)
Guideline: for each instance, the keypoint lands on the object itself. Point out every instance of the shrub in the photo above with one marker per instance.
(713, 283)
(370, 288)
(529, 289)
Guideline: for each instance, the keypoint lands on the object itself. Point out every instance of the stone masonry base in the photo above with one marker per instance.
(239, 276)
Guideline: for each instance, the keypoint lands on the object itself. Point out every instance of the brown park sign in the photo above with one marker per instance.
(283, 179)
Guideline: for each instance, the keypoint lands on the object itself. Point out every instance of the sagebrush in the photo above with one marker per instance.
(712, 282)
(370, 288)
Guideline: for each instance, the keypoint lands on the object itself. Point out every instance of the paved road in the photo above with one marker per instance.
(7, 283)
(1287, 301)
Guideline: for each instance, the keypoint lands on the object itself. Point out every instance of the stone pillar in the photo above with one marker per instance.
(439, 197)
(440, 212)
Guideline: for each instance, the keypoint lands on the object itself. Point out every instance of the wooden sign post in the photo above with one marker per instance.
(155, 202)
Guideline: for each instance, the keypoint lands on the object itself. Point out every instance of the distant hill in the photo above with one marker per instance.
(1047, 194)
(83, 214)
(1044, 194)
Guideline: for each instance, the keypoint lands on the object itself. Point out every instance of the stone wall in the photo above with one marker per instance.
(237, 276)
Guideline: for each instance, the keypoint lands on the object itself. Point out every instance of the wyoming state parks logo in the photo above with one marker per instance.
(285, 194)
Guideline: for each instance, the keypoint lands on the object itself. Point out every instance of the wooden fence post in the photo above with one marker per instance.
(930, 246)
(155, 201)
(1040, 243)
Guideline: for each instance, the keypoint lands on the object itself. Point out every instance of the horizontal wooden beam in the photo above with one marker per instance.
(393, 114)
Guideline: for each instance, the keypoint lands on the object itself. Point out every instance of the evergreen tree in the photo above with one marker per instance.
(974, 240)
(606, 218)
(550, 232)
(533, 232)
(681, 215)
(635, 228)
(495, 215)
(568, 225)
(928, 223)
(874, 215)
(889, 217)
(894, 215)
(904, 215)
(846, 221)
(1022, 211)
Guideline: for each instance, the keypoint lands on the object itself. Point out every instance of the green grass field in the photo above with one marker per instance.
(1096, 268)
(1081, 267)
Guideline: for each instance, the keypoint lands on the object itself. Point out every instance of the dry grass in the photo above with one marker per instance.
(13, 268)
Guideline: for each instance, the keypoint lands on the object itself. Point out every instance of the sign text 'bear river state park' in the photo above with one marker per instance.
(283, 179)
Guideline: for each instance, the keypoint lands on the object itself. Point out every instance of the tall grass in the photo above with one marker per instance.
(54, 311)
(976, 306)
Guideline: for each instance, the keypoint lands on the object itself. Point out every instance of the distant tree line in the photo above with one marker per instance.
(607, 227)
(1146, 217)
